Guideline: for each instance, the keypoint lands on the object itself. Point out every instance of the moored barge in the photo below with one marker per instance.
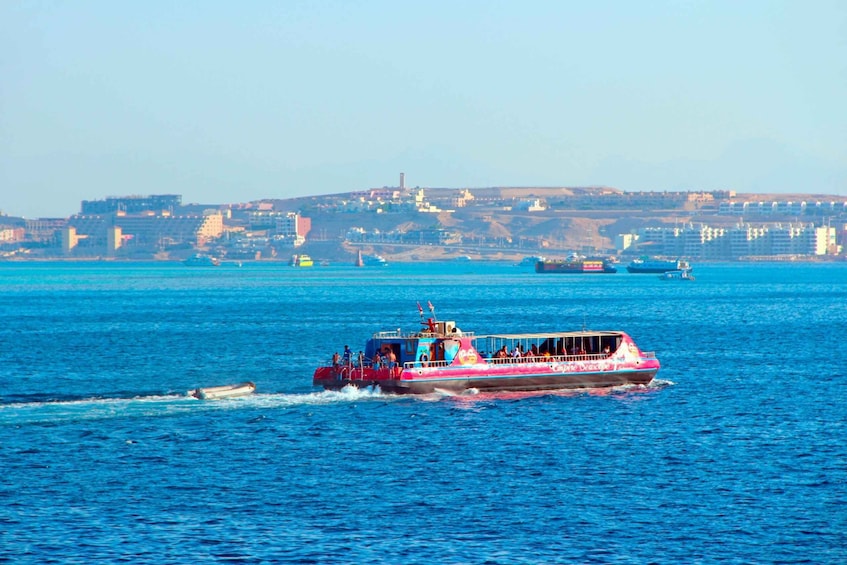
(575, 264)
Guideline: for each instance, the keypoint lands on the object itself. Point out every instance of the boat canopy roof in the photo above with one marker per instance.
(398, 334)
(547, 335)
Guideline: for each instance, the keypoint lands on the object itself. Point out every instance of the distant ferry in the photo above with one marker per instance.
(202, 260)
(531, 260)
(370, 260)
(441, 357)
(657, 265)
(575, 264)
(375, 261)
(301, 260)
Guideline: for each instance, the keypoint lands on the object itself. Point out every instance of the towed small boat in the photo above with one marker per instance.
(225, 391)
(442, 357)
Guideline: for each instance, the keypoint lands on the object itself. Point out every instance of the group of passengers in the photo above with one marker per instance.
(385, 359)
(381, 359)
(503, 355)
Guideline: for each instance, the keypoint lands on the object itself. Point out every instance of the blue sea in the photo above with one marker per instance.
(737, 453)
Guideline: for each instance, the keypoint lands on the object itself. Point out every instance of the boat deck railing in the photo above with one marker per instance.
(511, 360)
(425, 364)
(547, 358)
(490, 360)
(398, 334)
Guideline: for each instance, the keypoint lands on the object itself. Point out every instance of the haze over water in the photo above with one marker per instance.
(736, 453)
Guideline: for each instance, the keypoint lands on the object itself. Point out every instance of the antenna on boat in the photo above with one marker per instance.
(432, 310)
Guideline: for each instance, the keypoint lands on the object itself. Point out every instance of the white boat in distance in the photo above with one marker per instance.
(677, 275)
(225, 391)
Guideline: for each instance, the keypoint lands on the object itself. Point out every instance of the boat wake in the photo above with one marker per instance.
(473, 396)
(53, 410)
(93, 408)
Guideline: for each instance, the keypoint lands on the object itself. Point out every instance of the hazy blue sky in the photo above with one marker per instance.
(237, 101)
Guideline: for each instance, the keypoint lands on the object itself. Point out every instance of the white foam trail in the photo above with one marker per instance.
(345, 395)
(660, 383)
(158, 405)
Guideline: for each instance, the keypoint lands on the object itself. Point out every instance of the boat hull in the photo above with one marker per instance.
(492, 377)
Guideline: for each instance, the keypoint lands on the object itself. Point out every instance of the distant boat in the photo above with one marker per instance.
(530, 260)
(370, 260)
(375, 261)
(677, 275)
(301, 260)
(656, 265)
(575, 264)
(225, 391)
(202, 260)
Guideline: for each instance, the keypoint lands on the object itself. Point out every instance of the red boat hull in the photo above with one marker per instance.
(528, 376)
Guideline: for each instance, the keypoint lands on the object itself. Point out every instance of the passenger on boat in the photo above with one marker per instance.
(336, 359)
(347, 356)
(502, 354)
(517, 353)
(377, 360)
(607, 350)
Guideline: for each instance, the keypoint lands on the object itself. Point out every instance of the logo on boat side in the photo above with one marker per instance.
(467, 357)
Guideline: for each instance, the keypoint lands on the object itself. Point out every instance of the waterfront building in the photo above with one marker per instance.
(148, 231)
(746, 239)
(132, 204)
(702, 241)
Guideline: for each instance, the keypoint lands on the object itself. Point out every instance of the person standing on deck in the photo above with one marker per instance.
(392, 361)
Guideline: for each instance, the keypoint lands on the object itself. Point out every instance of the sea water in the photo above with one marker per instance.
(737, 453)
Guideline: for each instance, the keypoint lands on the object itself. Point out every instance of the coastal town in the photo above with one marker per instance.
(402, 224)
